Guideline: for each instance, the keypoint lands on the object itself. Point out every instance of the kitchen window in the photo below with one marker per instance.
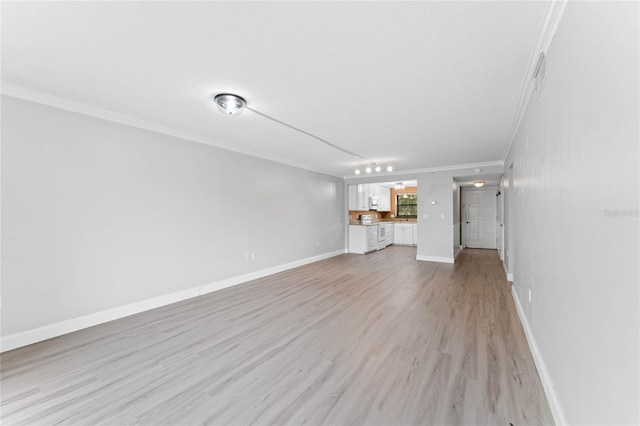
(407, 206)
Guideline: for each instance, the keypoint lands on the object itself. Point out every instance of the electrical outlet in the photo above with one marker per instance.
(442, 216)
(318, 243)
(529, 294)
(253, 255)
(246, 256)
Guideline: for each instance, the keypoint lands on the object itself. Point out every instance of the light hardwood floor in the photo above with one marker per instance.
(380, 339)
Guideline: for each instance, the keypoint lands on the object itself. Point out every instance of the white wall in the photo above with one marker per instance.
(435, 232)
(96, 215)
(575, 162)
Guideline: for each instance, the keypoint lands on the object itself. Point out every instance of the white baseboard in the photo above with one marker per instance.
(435, 259)
(547, 383)
(219, 285)
(24, 338)
(507, 273)
(458, 251)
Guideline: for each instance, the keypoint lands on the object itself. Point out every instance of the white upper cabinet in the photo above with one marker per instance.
(363, 197)
(359, 196)
(373, 190)
(384, 199)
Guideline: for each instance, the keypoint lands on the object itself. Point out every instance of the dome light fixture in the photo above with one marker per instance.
(368, 170)
(389, 168)
(230, 104)
(378, 168)
(357, 171)
(478, 183)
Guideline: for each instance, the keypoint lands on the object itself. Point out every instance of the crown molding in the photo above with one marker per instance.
(453, 167)
(115, 117)
(47, 99)
(552, 17)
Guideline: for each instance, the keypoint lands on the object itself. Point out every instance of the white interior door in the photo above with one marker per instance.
(480, 219)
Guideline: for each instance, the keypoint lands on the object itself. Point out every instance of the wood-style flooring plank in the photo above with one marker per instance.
(380, 339)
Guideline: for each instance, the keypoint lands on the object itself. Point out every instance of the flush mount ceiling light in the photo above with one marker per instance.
(229, 104)
(478, 183)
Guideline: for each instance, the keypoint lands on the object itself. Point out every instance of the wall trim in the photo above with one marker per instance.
(548, 28)
(506, 272)
(66, 104)
(28, 337)
(382, 177)
(549, 389)
(458, 251)
(435, 259)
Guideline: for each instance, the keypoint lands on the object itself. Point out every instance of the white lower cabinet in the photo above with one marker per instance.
(403, 234)
(388, 236)
(363, 238)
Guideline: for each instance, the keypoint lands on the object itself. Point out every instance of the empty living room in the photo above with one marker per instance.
(320, 213)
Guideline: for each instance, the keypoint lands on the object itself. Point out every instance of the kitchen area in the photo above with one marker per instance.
(382, 214)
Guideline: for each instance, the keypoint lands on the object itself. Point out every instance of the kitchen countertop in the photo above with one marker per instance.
(357, 222)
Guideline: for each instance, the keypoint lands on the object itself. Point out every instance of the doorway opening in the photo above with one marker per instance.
(480, 216)
(392, 203)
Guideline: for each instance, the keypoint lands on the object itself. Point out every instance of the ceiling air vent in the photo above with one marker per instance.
(540, 74)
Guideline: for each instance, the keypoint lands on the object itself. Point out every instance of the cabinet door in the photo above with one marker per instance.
(363, 197)
(397, 236)
(372, 238)
(384, 200)
(374, 191)
(406, 236)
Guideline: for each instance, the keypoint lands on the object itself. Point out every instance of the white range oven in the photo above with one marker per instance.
(382, 236)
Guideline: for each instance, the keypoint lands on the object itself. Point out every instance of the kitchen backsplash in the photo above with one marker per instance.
(376, 216)
(385, 216)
